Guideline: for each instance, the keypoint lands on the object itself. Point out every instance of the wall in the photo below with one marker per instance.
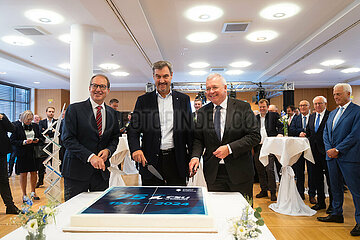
(50, 98)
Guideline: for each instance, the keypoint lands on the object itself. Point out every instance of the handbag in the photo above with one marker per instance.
(38, 151)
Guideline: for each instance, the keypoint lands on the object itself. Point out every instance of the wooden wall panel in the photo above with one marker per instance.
(356, 94)
(127, 99)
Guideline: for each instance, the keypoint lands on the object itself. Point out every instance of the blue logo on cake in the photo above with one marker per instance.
(149, 200)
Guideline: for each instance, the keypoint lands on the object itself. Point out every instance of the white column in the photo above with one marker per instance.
(81, 61)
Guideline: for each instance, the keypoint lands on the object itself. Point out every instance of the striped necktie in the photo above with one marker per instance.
(99, 120)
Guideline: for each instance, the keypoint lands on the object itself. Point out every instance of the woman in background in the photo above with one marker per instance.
(24, 138)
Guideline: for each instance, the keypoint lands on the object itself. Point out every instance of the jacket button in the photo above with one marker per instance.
(156, 155)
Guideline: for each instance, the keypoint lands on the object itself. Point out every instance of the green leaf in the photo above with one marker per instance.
(257, 215)
(260, 222)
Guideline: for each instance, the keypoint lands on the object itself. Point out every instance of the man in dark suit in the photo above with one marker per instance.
(114, 104)
(228, 130)
(298, 129)
(197, 106)
(163, 117)
(5, 148)
(43, 125)
(314, 132)
(270, 126)
(90, 136)
(342, 146)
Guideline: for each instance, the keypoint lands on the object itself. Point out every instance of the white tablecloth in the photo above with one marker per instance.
(122, 154)
(288, 150)
(224, 206)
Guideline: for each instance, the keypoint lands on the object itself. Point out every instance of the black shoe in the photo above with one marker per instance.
(356, 230)
(329, 210)
(312, 200)
(12, 209)
(273, 197)
(261, 194)
(34, 196)
(332, 218)
(38, 184)
(318, 206)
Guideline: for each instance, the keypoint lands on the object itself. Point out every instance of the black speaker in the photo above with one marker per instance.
(288, 98)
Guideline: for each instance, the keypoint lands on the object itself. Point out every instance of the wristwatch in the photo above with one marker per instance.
(336, 150)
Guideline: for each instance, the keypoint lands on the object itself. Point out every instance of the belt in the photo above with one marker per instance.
(167, 151)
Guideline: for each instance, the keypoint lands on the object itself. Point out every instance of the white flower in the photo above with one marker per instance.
(47, 210)
(32, 225)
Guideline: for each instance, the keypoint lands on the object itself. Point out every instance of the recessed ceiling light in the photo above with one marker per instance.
(234, 72)
(198, 73)
(201, 37)
(66, 38)
(109, 66)
(204, 13)
(44, 16)
(333, 62)
(37, 82)
(65, 66)
(120, 74)
(240, 64)
(313, 71)
(2, 73)
(280, 11)
(350, 70)
(198, 65)
(18, 40)
(262, 36)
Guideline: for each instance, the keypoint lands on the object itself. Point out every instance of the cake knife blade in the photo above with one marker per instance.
(154, 171)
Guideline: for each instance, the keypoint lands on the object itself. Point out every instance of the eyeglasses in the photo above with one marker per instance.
(94, 86)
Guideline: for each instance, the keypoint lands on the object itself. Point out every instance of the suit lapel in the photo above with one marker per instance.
(91, 116)
(155, 107)
(344, 115)
(229, 116)
(176, 107)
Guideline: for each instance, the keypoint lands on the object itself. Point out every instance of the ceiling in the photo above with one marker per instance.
(322, 30)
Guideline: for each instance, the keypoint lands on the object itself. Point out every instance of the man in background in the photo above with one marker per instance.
(314, 132)
(114, 104)
(197, 106)
(43, 125)
(36, 119)
(342, 144)
(290, 111)
(273, 108)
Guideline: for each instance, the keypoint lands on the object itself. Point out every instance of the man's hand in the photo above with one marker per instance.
(29, 141)
(279, 135)
(332, 153)
(97, 162)
(104, 154)
(35, 140)
(139, 157)
(193, 166)
(302, 134)
(222, 152)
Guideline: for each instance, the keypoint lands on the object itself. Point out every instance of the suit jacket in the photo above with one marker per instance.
(316, 138)
(296, 126)
(43, 125)
(345, 137)
(272, 124)
(241, 132)
(5, 127)
(145, 120)
(80, 137)
(17, 139)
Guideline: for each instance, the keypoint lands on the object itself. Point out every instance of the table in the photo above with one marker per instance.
(226, 205)
(121, 156)
(288, 150)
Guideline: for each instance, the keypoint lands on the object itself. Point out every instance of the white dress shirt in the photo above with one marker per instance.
(322, 114)
(263, 132)
(166, 115)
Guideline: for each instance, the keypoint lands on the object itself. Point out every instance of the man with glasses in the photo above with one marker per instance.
(90, 136)
(298, 129)
(314, 132)
(164, 119)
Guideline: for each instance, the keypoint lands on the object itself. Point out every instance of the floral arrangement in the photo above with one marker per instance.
(247, 225)
(35, 222)
(284, 119)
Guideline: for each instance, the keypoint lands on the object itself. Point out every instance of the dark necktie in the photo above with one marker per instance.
(217, 122)
(27, 127)
(317, 122)
(304, 123)
(99, 119)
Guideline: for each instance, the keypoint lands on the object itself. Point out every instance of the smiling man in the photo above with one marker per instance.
(163, 117)
(90, 136)
(228, 130)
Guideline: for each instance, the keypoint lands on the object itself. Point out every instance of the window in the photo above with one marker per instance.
(13, 100)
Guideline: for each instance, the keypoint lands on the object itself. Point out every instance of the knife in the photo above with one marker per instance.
(154, 172)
